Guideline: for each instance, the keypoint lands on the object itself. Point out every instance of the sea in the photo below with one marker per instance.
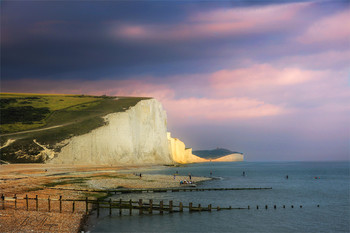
(318, 191)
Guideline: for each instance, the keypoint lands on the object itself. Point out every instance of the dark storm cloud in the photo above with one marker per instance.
(73, 39)
(43, 39)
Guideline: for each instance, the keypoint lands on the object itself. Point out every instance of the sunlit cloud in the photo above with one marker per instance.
(330, 29)
(329, 59)
(197, 110)
(216, 23)
(261, 76)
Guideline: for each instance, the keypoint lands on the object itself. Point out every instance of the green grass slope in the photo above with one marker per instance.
(50, 119)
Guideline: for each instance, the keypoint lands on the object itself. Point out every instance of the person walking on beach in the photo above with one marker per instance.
(190, 176)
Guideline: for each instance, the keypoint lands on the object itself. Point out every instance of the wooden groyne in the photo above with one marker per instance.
(122, 206)
(46, 205)
(155, 190)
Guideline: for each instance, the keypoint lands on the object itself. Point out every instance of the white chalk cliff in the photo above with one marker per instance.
(180, 153)
(136, 136)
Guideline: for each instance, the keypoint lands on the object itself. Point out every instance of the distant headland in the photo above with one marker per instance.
(219, 154)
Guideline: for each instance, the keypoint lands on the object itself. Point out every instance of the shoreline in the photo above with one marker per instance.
(52, 180)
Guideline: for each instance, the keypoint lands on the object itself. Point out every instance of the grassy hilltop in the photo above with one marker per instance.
(50, 119)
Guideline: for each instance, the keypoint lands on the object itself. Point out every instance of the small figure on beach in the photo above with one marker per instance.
(243, 174)
(287, 177)
(190, 176)
(174, 176)
(140, 175)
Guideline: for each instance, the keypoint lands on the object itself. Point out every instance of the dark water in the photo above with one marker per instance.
(330, 191)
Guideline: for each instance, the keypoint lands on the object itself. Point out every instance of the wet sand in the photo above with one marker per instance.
(47, 180)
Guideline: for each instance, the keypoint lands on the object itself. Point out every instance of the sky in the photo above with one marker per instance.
(269, 79)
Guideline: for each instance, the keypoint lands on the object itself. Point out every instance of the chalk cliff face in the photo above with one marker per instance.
(136, 136)
(179, 152)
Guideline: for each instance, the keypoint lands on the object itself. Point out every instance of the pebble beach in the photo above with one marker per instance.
(68, 182)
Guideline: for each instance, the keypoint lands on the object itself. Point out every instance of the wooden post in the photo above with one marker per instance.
(27, 202)
(15, 201)
(230, 207)
(150, 206)
(49, 203)
(218, 208)
(301, 206)
(161, 207)
(120, 207)
(181, 209)
(284, 206)
(209, 207)
(274, 206)
(110, 206)
(170, 206)
(190, 206)
(292, 206)
(130, 207)
(266, 206)
(248, 207)
(73, 206)
(199, 207)
(36, 203)
(257, 207)
(98, 208)
(60, 204)
(3, 201)
(140, 206)
(86, 205)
